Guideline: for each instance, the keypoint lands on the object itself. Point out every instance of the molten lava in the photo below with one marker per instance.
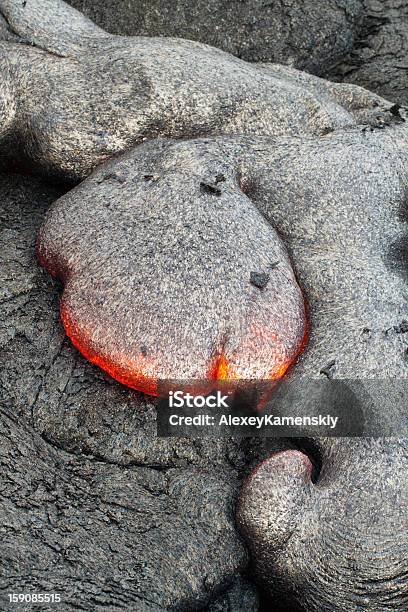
(133, 373)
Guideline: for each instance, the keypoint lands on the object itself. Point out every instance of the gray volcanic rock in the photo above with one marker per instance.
(132, 89)
(379, 59)
(339, 202)
(336, 544)
(157, 251)
(104, 535)
(304, 34)
(118, 515)
(5, 32)
(241, 597)
(94, 506)
(365, 43)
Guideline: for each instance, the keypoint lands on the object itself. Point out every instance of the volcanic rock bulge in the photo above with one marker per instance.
(310, 535)
(157, 272)
(131, 88)
(178, 247)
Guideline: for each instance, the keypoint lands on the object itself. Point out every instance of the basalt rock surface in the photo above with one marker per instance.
(379, 59)
(326, 166)
(303, 34)
(94, 505)
(133, 89)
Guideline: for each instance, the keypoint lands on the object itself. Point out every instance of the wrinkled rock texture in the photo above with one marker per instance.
(379, 59)
(305, 34)
(93, 505)
(365, 43)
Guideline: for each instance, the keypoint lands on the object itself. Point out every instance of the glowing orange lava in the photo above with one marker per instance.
(132, 372)
(132, 376)
(222, 370)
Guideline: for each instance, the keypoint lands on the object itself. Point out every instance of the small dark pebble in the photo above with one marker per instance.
(259, 279)
(210, 189)
(326, 131)
(366, 332)
(143, 350)
(220, 178)
(395, 110)
(402, 328)
(329, 369)
(112, 176)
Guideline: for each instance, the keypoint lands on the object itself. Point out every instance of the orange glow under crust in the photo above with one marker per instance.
(222, 370)
(136, 380)
(134, 377)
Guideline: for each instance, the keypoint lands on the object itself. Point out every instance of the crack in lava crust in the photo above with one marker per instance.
(131, 374)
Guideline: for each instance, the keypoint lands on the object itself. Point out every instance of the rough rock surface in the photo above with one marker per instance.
(132, 89)
(379, 59)
(304, 34)
(365, 43)
(336, 544)
(87, 488)
(340, 204)
(73, 441)
(156, 250)
(5, 32)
